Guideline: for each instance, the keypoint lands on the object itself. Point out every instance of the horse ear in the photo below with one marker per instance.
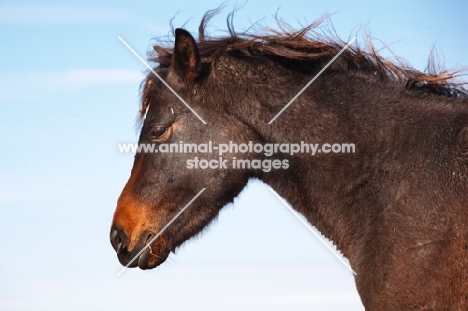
(185, 59)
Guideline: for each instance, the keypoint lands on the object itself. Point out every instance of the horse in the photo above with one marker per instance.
(396, 207)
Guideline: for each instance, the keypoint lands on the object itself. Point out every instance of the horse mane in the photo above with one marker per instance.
(307, 45)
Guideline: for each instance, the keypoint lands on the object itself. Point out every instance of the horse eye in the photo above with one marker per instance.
(157, 132)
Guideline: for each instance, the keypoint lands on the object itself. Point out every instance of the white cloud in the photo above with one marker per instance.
(54, 14)
(34, 84)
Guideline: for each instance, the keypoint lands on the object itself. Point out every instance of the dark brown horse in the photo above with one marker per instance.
(397, 207)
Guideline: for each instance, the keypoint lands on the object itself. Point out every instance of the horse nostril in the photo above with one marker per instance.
(149, 237)
(118, 239)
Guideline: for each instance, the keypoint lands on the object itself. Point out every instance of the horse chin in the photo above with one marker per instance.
(149, 260)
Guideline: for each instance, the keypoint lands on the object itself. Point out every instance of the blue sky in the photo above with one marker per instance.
(69, 95)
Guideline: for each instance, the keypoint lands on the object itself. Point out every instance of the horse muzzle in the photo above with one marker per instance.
(147, 253)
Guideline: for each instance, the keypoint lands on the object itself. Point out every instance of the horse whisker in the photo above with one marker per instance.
(151, 252)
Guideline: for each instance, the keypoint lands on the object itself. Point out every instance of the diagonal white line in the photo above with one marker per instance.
(313, 231)
(161, 231)
(313, 79)
(161, 79)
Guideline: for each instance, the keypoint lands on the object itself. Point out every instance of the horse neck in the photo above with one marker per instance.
(341, 195)
(333, 197)
(329, 190)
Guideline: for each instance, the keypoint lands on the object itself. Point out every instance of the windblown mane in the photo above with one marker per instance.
(300, 48)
